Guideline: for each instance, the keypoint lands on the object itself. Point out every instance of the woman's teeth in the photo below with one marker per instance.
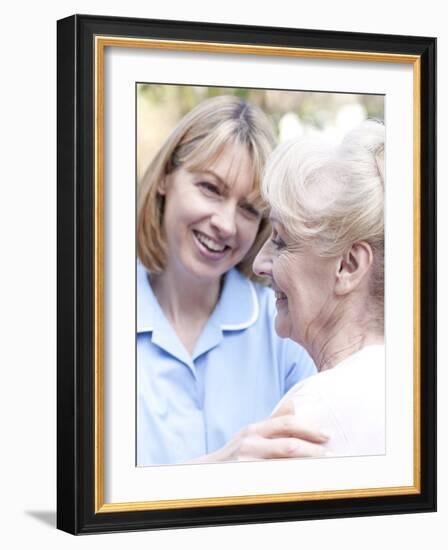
(212, 245)
(280, 295)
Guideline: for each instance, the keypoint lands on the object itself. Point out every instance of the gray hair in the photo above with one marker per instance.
(330, 197)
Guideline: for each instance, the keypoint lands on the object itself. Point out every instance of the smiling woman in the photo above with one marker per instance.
(210, 367)
(325, 260)
(209, 223)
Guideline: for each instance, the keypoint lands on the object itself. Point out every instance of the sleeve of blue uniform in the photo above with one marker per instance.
(299, 364)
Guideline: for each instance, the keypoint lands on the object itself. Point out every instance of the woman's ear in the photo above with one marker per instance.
(353, 267)
(162, 186)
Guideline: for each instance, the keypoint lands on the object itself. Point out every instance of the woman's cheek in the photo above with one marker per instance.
(279, 271)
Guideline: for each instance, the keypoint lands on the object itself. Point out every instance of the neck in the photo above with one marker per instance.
(343, 336)
(184, 300)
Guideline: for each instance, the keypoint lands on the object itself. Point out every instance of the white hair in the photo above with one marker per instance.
(331, 196)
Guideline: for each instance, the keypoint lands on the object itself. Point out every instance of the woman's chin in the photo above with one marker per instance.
(196, 268)
(282, 327)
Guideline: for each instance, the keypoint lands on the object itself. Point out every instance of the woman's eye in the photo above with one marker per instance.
(251, 210)
(209, 187)
(277, 241)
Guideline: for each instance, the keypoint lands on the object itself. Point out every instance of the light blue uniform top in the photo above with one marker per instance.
(191, 405)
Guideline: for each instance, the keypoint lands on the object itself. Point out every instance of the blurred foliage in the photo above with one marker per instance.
(292, 113)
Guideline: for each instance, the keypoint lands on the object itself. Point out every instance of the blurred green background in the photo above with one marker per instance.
(293, 114)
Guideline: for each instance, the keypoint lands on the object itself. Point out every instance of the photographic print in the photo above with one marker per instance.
(216, 378)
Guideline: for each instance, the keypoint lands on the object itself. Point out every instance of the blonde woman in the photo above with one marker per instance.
(325, 260)
(210, 367)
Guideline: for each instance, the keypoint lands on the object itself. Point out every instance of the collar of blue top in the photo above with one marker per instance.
(237, 308)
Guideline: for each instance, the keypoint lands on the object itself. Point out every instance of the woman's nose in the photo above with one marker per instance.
(262, 265)
(224, 220)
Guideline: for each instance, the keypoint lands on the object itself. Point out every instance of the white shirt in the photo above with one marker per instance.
(347, 402)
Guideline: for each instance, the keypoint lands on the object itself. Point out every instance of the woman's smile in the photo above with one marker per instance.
(281, 298)
(210, 247)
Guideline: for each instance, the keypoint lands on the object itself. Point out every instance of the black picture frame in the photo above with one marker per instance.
(79, 504)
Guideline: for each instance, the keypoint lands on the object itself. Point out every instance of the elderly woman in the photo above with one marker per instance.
(325, 262)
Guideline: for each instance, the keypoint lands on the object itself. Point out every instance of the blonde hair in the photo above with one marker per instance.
(196, 142)
(330, 197)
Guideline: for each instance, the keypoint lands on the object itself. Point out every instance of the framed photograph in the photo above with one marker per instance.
(241, 209)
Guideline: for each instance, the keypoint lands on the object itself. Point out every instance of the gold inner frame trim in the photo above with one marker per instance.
(213, 47)
(101, 42)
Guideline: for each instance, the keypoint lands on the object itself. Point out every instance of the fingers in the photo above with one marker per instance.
(286, 426)
(287, 407)
(283, 447)
(281, 437)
